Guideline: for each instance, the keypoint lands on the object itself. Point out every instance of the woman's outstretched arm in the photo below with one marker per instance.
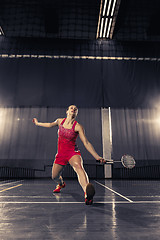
(48, 125)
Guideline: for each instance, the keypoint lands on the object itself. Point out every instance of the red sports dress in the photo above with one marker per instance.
(67, 147)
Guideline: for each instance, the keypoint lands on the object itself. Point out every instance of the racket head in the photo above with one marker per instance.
(128, 161)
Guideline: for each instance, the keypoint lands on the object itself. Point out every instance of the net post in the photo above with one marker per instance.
(106, 140)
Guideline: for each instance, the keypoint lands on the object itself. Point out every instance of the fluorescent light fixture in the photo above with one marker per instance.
(109, 27)
(109, 5)
(107, 18)
(105, 27)
(101, 27)
(113, 7)
(104, 7)
(1, 31)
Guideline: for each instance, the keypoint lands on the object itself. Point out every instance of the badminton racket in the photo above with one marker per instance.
(126, 160)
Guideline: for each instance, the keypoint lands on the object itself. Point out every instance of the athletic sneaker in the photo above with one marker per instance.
(88, 202)
(59, 187)
(90, 192)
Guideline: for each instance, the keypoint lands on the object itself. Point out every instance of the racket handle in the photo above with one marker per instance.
(107, 161)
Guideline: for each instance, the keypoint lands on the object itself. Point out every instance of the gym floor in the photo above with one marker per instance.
(122, 209)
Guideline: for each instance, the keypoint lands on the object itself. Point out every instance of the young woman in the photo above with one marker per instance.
(68, 131)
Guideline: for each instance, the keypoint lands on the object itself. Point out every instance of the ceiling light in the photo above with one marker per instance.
(1, 31)
(107, 18)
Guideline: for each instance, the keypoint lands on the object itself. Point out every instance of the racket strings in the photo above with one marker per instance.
(128, 161)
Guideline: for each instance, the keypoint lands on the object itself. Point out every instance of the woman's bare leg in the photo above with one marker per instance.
(77, 163)
(56, 173)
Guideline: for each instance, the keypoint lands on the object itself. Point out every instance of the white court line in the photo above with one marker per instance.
(129, 200)
(40, 202)
(32, 197)
(51, 197)
(10, 183)
(99, 202)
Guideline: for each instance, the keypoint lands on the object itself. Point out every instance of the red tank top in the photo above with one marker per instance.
(67, 138)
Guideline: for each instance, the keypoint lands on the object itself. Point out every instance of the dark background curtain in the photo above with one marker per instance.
(131, 84)
(55, 83)
(86, 83)
(136, 132)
